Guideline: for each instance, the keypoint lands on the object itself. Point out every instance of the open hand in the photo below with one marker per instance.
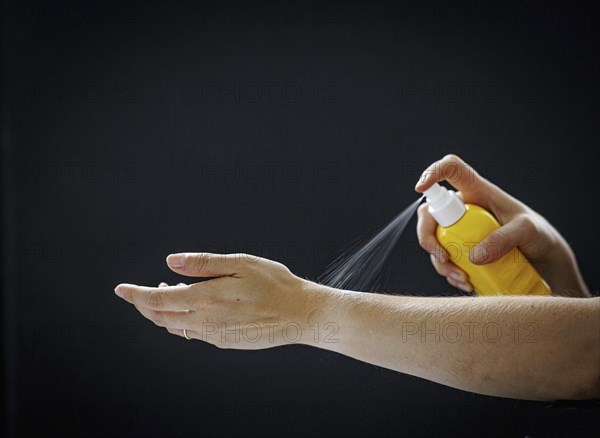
(249, 303)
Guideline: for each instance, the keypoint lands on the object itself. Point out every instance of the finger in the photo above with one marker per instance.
(179, 332)
(426, 226)
(461, 176)
(206, 264)
(163, 298)
(179, 320)
(465, 286)
(519, 231)
(162, 284)
(450, 270)
(451, 168)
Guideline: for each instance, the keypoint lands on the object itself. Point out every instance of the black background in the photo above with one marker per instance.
(286, 130)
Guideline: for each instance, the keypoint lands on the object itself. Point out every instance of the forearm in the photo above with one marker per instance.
(535, 348)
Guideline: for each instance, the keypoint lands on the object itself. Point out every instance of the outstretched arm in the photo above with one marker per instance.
(537, 348)
(533, 348)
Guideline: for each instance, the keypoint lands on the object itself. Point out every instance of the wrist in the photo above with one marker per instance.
(561, 271)
(323, 310)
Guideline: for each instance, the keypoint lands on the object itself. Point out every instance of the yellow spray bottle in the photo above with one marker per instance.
(462, 226)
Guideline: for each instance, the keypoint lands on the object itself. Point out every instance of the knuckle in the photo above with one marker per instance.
(453, 166)
(427, 244)
(500, 239)
(437, 266)
(155, 300)
(200, 261)
(457, 168)
(193, 305)
(422, 210)
(189, 297)
(529, 226)
(452, 158)
(241, 258)
(246, 259)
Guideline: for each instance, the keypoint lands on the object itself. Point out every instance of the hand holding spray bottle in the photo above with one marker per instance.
(460, 227)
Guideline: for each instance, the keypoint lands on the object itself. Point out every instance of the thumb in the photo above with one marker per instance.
(519, 231)
(205, 264)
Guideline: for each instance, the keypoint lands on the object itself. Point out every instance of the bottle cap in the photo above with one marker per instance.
(445, 207)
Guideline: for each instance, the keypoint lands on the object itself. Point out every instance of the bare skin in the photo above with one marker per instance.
(536, 348)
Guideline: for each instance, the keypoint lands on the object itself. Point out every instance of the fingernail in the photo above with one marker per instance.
(162, 284)
(119, 291)
(458, 276)
(466, 287)
(479, 254)
(176, 260)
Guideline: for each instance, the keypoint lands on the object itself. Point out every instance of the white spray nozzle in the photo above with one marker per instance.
(445, 207)
(434, 192)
